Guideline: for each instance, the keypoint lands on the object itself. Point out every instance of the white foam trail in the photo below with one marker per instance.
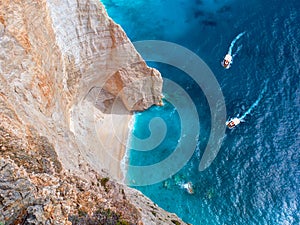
(233, 42)
(255, 103)
(237, 51)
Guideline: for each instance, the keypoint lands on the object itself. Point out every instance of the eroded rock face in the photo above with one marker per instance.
(100, 55)
(65, 69)
(53, 53)
(131, 85)
(29, 198)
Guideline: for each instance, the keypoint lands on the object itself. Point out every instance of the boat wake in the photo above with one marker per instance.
(233, 122)
(255, 103)
(233, 43)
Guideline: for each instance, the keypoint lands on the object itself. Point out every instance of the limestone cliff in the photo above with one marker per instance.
(69, 79)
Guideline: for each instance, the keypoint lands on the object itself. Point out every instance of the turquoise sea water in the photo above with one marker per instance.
(255, 178)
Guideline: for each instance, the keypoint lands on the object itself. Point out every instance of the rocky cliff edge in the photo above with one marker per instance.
(66, 70)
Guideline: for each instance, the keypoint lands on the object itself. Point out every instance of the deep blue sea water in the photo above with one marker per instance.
(255, 178)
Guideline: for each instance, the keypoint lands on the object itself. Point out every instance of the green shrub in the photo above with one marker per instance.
(175, 222)
(103, 181)
(101, 216)
(154, 213)
(122, 222)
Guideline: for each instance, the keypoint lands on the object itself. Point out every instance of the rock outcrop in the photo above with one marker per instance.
(69, 80)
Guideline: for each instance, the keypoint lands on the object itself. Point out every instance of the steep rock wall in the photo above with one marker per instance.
(54, 57)
(69, 78)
